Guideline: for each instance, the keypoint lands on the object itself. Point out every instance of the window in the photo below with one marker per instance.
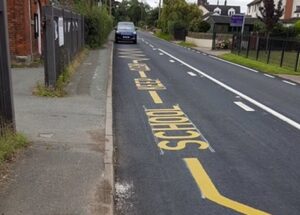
(231, 11)
(217, 11)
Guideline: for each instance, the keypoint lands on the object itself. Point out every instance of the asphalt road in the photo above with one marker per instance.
(196, 135)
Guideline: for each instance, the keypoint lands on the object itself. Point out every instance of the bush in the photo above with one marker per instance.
(98, 25)
(282, 31)
(204, 26)
(175, 26)
(297, 27)
(199, 26)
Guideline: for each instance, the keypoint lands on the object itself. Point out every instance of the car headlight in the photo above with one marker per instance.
(134, 32)
(117, 32)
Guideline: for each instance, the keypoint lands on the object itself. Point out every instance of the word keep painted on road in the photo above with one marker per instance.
(173, 129)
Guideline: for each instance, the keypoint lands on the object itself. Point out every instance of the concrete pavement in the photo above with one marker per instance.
(63, 171)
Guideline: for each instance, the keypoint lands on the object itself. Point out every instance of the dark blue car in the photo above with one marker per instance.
(125, 31)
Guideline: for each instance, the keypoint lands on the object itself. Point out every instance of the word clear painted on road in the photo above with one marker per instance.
(209, 191)
(174, 130)
(149, 84)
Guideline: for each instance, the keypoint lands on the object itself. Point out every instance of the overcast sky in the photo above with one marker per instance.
(242, 3)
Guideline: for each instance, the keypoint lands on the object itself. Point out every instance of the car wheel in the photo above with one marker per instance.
(116, 41)
(134, 42)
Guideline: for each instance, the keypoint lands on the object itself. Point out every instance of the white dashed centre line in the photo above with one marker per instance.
(238, 93)
(192, 74)
(243, 106)
(161, 54)
(287, 82)
(172, 61)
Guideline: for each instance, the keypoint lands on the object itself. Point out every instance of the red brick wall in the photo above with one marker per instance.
(21, 30)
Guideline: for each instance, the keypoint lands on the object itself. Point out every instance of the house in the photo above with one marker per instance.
(25, 28)
(291, 8)
(224, 10)
(221, 24)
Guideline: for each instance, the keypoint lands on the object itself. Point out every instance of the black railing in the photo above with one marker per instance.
(279, 51)
(6, 101)
(64, 38)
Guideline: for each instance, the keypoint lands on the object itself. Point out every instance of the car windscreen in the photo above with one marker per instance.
(126, 28)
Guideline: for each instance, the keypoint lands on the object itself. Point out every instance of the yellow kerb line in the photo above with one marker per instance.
(210, 192)
(143, 74)
(155, 97)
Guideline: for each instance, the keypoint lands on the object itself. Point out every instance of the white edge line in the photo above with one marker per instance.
(270, 76)
(249, 99)
(288, 82)
(244, 67)
(244, 106)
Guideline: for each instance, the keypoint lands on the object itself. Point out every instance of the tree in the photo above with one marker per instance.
(270, 14)
(152, 17)
(131, 10)
(178, 14)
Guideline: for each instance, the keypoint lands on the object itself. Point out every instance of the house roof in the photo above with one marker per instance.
(227, 19)
(254, 2)
(224, 8)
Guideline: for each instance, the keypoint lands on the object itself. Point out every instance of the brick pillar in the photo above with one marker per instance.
(288, 11)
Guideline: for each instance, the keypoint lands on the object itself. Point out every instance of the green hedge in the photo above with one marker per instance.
(98, 25)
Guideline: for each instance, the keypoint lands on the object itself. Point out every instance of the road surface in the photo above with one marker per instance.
(197, 135)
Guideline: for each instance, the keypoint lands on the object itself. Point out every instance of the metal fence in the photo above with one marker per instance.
(282, 52)
(64, 38)
(6, 102)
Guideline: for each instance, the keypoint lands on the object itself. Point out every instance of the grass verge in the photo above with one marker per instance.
(186, 44)
(260, 66)
(163, 36)
(63, 79)
(10, 142)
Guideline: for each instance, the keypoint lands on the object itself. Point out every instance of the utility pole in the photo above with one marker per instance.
(7, 118)
(159, 8)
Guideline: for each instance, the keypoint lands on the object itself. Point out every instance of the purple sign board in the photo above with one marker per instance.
(237, 21)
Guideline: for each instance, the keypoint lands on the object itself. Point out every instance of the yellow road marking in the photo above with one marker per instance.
(210, 192)
(149, 84)
(155, 97)
(143, 74)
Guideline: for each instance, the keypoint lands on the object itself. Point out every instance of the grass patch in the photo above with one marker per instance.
(163, 36)
(63, 79)
(260, 66)
(10, 142)
(186, 44)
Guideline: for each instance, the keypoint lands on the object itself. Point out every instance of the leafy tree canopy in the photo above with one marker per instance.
(270, 14)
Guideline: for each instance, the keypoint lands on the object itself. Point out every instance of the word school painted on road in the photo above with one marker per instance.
(174, 130)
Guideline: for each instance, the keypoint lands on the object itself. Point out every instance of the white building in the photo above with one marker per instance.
(291, 8)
